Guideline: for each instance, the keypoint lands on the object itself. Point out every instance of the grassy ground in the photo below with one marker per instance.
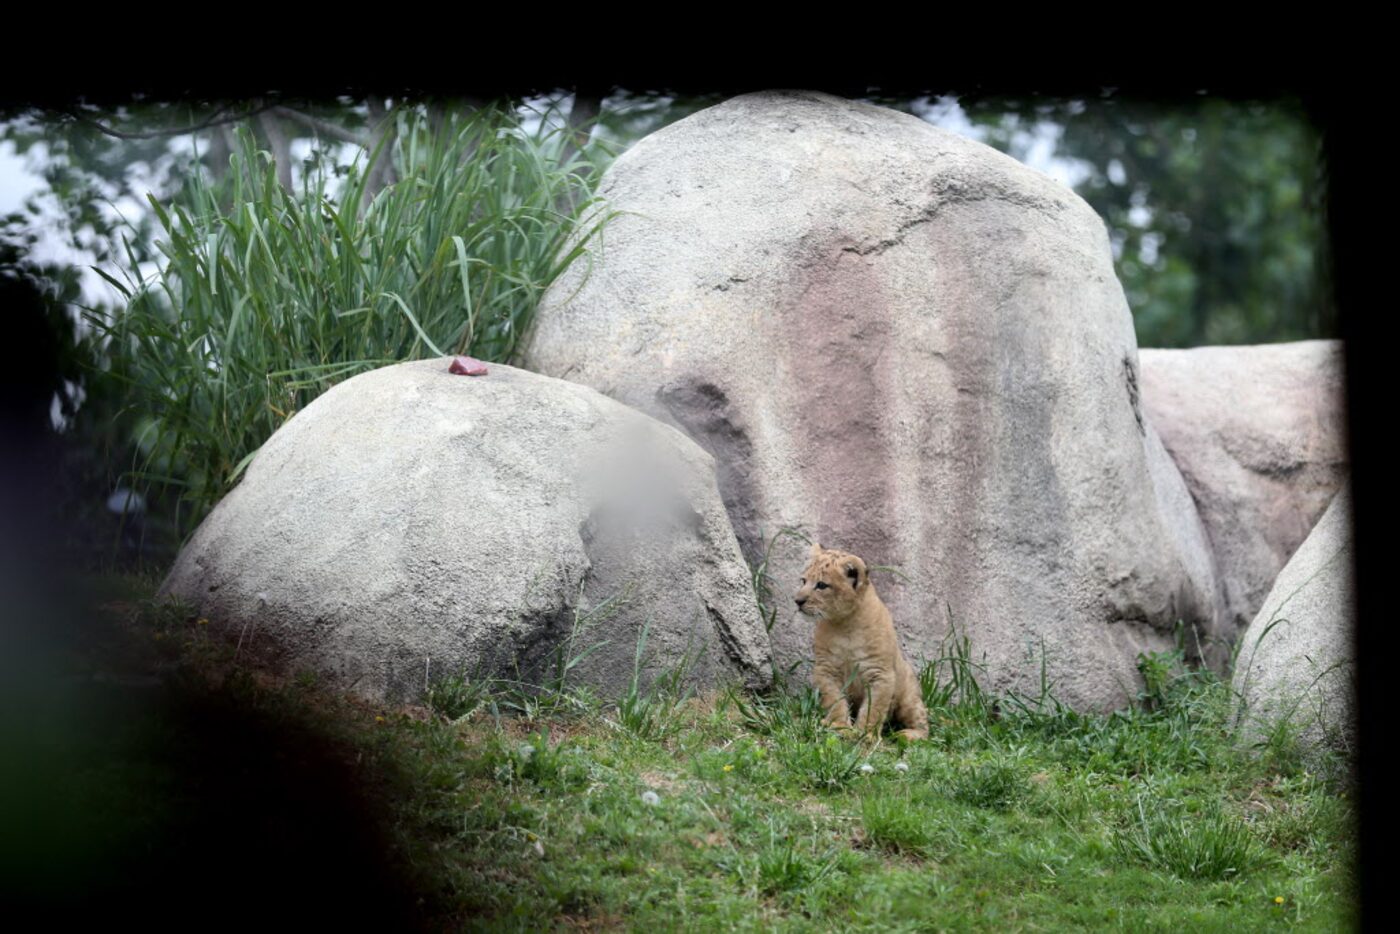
(495, 808)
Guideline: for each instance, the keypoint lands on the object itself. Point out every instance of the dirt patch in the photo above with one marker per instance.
(660, 782)
(591, 923)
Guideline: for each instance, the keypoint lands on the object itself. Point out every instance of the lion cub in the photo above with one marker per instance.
(858, 664)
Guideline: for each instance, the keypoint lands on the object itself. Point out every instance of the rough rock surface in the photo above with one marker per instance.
(1296, 660)
(411, 524)
(1259, 435)
(914, 348)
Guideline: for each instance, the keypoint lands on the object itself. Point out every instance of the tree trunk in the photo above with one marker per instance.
(217, 150)
(583, 113)
(382, 130)
(281, 149)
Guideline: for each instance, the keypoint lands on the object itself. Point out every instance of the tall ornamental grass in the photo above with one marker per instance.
(265, 299)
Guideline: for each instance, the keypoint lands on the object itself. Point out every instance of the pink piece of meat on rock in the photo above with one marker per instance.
(467, 366)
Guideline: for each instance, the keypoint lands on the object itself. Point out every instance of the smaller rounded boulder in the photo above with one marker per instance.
(1296, 667)
(412, 524)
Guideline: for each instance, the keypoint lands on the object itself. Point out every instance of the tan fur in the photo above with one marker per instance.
(858, 663)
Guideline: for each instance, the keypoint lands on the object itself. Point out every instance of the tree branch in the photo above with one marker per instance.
(323, 127)
(215, 120)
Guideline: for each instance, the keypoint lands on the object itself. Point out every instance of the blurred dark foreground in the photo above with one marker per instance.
(129, 794)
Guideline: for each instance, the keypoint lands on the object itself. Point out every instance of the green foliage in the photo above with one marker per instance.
(996, 785)
(537, 762)
(781, 867)
(265, 299)
(898, 824)
(1178, 724)
(826, 764)
(949, 683)
(645, 712)
(1301, 815)
(533, 703)
(1280, 748)
(550, 694)
(1169, 683)
(1157, 670)
(797, 713)
(1208, 845)
(87, 172)
(457, 696)
(1214, 208)
(649, 713)
(570, 652)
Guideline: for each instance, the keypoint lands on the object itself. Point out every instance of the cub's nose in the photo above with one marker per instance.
(800, 601)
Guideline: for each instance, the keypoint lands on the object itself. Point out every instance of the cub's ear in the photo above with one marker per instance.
(855, 571)
(816, 550)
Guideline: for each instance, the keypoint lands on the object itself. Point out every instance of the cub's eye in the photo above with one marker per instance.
(822, 585)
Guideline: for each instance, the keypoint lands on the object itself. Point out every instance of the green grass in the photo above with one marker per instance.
(456, 696)
(910, 824)
(1210, 845)
(997, 785)
(739, 812)
(265, 298)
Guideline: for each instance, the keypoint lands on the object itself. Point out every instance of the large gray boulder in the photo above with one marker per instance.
(411, 524)
(912, 347)
(1259, 435)
(1296, 661)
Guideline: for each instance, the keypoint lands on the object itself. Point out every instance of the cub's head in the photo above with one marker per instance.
(832, 585)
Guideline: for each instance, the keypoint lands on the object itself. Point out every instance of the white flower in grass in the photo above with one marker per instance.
(651, 797)
(901, 766)
(866, 768)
